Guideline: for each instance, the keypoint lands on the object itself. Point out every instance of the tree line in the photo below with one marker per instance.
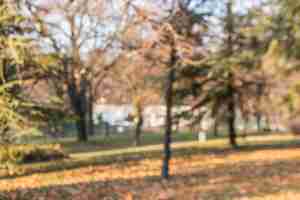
(216, 57)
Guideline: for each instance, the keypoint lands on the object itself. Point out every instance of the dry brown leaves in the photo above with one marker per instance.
(273, 174)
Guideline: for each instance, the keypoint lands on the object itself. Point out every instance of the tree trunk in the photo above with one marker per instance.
(79, 106)
(268, 124)
(138, 130)
(258, 121)
(246, 123)
(232, 131)
(107, 129)
(177, 129)
(216, 128)
(82, 112)
(231, 103)
(231, 119)
(81, 127)
(169, 123)
(91, 125)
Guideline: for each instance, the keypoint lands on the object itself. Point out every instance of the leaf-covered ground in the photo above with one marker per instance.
(261, 173)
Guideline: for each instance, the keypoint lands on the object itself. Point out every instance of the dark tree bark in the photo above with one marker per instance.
(268, 127)
(231, 119)
(169, 122)
(81, 127)
(177, 128)
(91, 125)
(246, 123)
(231, 92)
(82, 112)
(77, 85)
(258, 121)
(138, 130)
(259, 94)
(216, 128)
(106, 129)
(78, 98)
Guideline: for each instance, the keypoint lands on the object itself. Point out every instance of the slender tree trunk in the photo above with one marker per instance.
(245, 130)
(232, 130)
(138, 130)
(231, 103)
(216, 128)
(91, 125)
(231, 119)
(91, 120)
(169, 122)
(268, 124)
(106, 129)
(177, 125)
(258, 121)
(138, 118)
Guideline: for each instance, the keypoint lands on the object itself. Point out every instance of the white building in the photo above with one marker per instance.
(154, 115)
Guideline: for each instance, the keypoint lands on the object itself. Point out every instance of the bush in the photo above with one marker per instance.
(23, 154)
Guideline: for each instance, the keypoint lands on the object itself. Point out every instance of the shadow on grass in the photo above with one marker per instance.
(224, 181)
(121, 142)
(100, 143)
(138, 155)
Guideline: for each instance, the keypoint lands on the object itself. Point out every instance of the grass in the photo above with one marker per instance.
(106, 151)
(124, 141)
(117, 141)
(101, 150)
(265, 166)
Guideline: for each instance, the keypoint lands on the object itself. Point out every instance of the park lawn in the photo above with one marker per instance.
(267, 168)
(117, 141)
(121, 141)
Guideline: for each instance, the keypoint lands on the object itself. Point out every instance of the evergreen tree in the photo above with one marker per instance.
(228, 78)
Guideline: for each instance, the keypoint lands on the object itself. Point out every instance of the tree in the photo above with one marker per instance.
(134, 73)
(280, 63)
(284, 53)
(178, 35)
(11, 57)
(162, 48)
(232, 81)
(21, 65)
(75, 30)
(172, 47)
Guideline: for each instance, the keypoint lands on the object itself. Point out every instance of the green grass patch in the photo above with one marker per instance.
(86, 154)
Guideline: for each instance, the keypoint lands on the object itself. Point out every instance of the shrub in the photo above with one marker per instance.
(22, 154)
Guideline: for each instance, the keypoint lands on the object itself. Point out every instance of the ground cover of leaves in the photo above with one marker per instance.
(263, 174)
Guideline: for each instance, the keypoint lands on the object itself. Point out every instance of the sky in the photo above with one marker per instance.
(112, 24)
